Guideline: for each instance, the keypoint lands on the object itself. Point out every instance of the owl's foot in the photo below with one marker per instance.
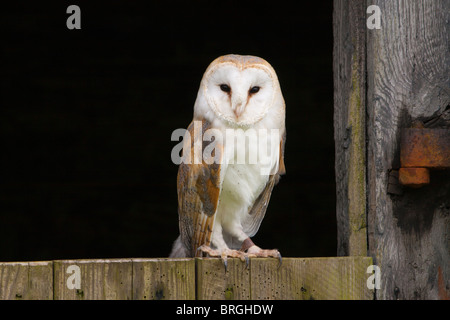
(227, 253)
(254, 251)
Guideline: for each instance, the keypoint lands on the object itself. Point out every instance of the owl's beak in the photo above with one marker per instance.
(238, 106)
(238, 110)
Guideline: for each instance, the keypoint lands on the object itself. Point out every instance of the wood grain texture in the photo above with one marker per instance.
(213, 283)
(297, 279)
(100, 280)
(163, 279)
(340, 278)
(349, 69)
(408, 79)
(26, 280)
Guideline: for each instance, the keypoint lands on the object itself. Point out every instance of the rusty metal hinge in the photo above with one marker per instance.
(422, 149)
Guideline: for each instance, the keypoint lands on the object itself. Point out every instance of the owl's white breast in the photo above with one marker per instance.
(243, 182)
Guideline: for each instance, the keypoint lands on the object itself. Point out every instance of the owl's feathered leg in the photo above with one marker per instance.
(178, 249)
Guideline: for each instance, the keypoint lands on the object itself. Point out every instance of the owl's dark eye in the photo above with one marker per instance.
(225, 88)
(254, 89)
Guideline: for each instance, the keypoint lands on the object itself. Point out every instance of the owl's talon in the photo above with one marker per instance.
(225, 263)
(280, 259)
(224, 260)
(247, 261)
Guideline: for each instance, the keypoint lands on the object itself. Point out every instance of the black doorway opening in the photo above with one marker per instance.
(86, 118)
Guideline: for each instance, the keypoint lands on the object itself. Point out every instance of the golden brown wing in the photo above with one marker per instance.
(256, 214)
(198, 189)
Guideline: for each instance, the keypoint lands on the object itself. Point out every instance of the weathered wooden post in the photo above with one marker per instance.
(349, 64)
(392, 78)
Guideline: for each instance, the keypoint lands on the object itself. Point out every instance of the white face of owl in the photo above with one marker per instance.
(240, 96)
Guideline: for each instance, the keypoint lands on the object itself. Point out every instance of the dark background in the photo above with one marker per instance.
(86, 118)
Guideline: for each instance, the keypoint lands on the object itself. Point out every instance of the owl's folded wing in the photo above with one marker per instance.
(198, 189)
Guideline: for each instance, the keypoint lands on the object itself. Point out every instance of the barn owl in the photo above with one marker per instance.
(221, 204)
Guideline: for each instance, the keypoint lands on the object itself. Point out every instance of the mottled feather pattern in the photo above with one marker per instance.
(198, 196)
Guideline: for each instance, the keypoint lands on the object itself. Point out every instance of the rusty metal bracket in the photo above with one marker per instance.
(421, 150)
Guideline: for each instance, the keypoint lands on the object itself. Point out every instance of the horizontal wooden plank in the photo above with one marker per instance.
(337, 278)
(214, 283)
(163, 279)
(187, 279)
(26, 280)
(340, 278)
(93, 279)
(125, 279)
